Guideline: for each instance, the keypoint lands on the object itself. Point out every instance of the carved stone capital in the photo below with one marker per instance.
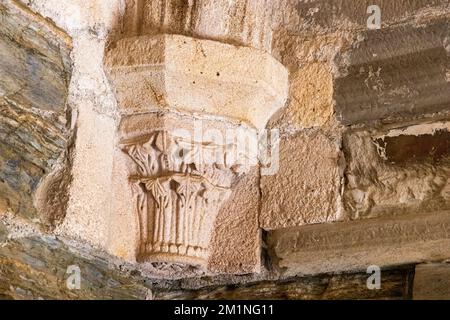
(179, 184)
(165, 85)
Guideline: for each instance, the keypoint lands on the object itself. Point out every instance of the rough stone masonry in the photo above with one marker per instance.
(174, 149)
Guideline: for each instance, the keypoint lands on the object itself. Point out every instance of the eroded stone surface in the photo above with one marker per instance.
(396, 285)
(236, 241)
(245, 23)
(420, 143)
(323, 15)
(376, 185)
(394, 73)
(36, 268)
(356, 245)
(311, 92)
(306, 187)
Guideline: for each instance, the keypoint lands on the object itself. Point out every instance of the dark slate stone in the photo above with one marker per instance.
(396, 285)
(411, 149)
(36, 268)
(35, 73)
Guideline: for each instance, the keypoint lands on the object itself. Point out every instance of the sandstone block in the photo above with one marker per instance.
(305, 189)
(236, 240)
(198, 76)
(311, 93)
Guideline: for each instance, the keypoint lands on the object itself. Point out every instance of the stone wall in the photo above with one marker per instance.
(103, 165)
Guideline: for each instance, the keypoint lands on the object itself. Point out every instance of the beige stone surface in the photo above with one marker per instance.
(122, 222)
(90, 194)
(432, 281)
(356, 245)
(246, 23)
(236, 240)
(200, 76)
(306, 187)
(310, 61)
(311, 93)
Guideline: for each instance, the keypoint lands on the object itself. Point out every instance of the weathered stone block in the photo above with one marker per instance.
(311, 93)
(356, 245)
(236, 240)
(171, 71)
(398, 170)
(394, 73)
(305, 189)
(88, 212)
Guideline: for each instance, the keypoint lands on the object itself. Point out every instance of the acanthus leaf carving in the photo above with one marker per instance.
(177, 196)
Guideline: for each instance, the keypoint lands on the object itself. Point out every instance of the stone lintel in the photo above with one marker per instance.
(356, 245)
(394, 73)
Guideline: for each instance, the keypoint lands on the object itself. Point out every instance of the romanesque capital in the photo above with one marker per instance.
(179, 186)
